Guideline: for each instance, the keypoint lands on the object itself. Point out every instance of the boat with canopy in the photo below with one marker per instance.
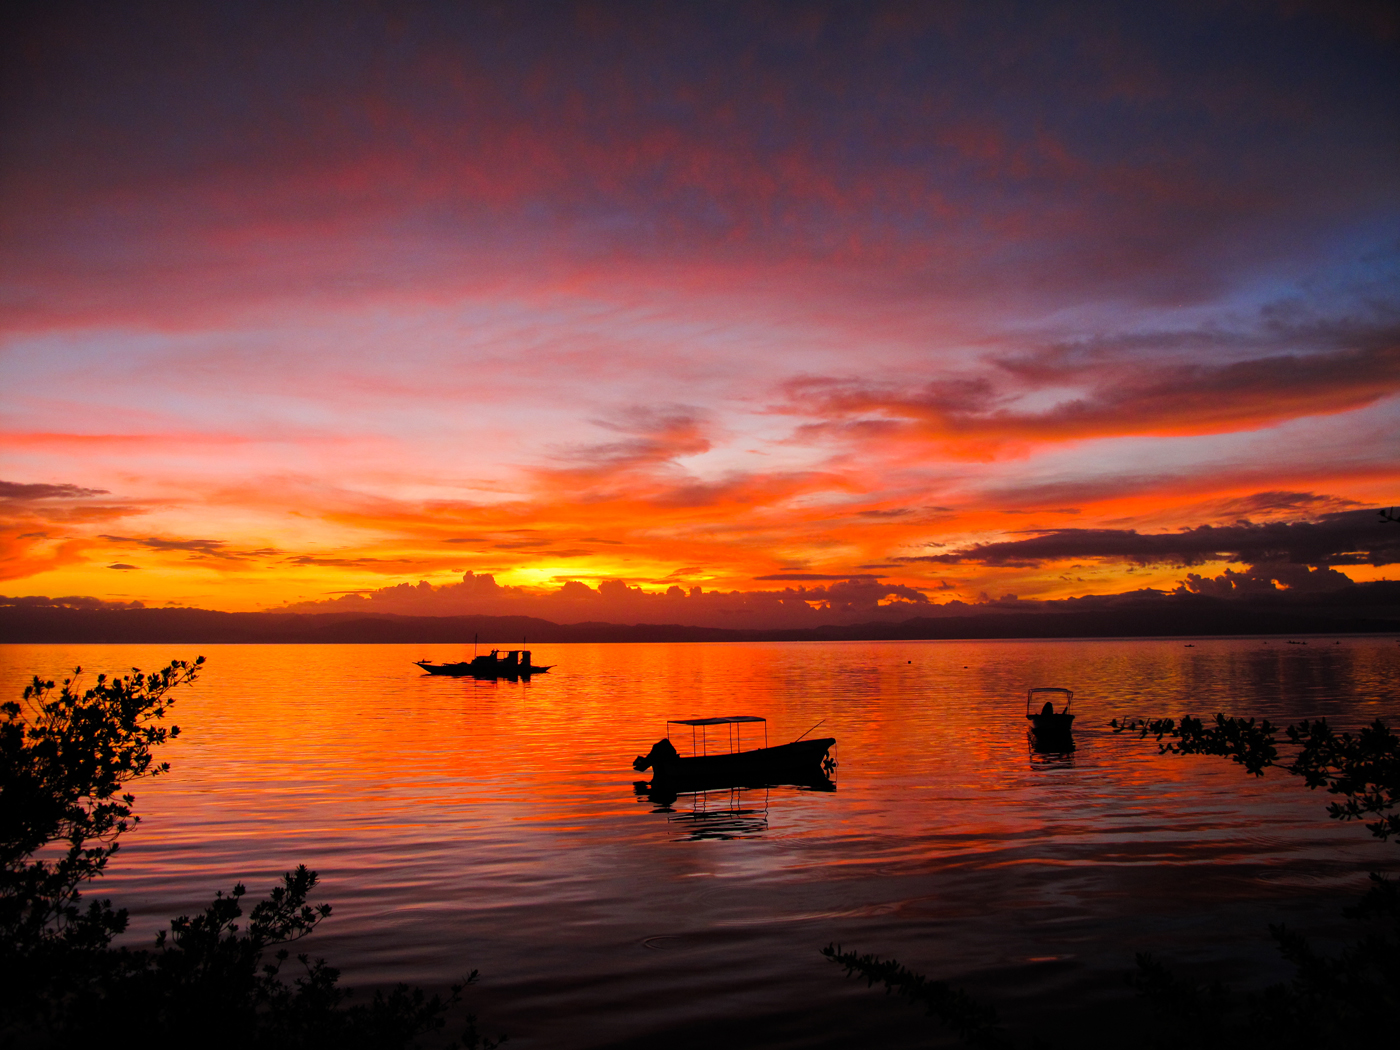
(1052, 730)
(724, 760)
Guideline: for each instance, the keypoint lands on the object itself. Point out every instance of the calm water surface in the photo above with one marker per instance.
(494, 825)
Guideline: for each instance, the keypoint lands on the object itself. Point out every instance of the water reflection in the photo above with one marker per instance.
(494, 821)
(724, 813)
(664, 792)
(1046, 757)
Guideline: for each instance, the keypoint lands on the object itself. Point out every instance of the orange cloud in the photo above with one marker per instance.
(975, 416)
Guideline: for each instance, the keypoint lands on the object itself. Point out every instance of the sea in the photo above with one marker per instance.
(498, 826)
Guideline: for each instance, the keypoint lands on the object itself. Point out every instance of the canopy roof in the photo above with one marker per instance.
(1053, 689)
(713, 721)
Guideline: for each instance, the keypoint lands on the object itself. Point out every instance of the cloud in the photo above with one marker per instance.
(64, 510)
(643, 473)
(1266, 579)
(652, 436)
(11, 490)
(375, 564)
(807, 576)
(1279, 502)
(1344, 538)
(643, 458)
(212, 548)
(119, 565)
(940, 140)
(847, 600)
(1117, 398)
(219, 551)
(71, 602)
(598, 243)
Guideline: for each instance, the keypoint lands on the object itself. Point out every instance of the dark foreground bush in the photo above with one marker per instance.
(210, 980)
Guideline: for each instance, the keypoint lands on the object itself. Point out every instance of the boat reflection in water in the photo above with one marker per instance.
(719, 813)
(1040, 758)
(715, 781)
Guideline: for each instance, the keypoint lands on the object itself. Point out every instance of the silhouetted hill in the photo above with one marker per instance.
(1371, 607)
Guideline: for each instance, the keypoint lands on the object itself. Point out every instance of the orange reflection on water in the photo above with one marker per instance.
(462, 824)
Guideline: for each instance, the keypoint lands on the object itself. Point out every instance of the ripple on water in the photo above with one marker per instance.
(461, 825)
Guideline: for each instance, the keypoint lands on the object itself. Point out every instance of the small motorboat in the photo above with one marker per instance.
(515, 664)
(1052, 730)
(798, 762)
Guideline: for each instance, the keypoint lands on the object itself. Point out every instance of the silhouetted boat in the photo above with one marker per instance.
(800, 762)
(1052, 730)
(515, 664)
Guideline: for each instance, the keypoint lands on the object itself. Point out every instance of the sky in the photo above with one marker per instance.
(722, 312)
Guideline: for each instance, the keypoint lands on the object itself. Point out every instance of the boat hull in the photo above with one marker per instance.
(1052, 730)
(469, 670)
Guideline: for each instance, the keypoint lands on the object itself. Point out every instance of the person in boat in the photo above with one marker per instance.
(663, 751)
(1048, 709)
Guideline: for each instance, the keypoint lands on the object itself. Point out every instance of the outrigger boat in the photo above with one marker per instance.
(798, 762)
(515, 664)
(1052, 730)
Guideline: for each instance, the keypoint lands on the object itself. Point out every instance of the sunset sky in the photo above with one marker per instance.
(863, 303)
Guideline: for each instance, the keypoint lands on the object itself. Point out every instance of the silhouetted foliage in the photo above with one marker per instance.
(64, 758)
(975, 1023)
(1364, 770)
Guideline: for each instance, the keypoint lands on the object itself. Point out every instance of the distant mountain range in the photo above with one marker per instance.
(1362, 608)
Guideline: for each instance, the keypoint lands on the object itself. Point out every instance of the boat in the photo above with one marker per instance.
(1052, 730)
(515, 664)
(798, 762)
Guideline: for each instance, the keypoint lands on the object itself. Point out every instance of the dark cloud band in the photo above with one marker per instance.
(1357, 537)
